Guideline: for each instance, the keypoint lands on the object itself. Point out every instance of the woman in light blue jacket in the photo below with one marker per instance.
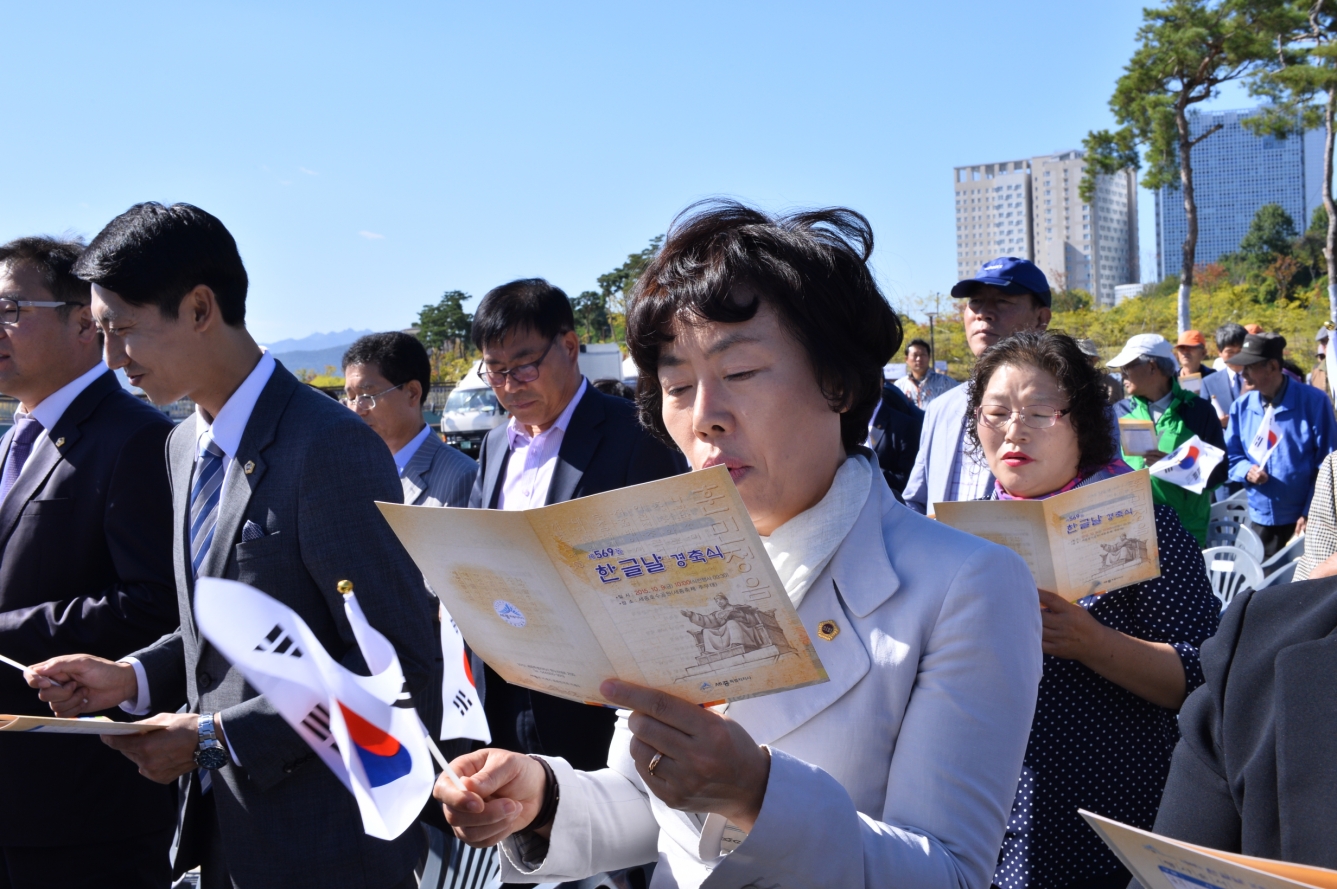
(761, 343)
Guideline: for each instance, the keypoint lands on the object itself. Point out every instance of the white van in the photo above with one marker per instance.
(471, 412)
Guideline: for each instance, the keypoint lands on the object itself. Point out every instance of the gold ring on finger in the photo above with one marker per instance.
(654, 761)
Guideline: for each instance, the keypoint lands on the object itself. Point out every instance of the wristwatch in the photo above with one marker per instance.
(211, 753)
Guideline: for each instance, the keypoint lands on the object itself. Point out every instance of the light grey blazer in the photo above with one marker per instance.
(438, 475)
(307, 474)
(900, 771)
(939, 444)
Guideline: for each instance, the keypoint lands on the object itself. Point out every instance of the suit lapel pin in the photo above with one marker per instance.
(249, 467)
(60, 442)
(828, 630)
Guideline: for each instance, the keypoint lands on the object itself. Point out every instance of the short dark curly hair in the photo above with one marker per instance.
(1058, 354)
(811, 266)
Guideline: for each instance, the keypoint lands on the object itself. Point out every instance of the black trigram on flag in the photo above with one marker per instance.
(279, 642)
(461, 702)
(317, 722)
(405, 700)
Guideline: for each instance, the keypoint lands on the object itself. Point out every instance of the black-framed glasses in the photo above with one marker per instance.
(9, 308)
(358, 402)
(1036, 416)
(525, 373)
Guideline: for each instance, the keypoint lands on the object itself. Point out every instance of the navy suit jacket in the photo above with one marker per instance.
(1253, 770)
(604, 448)
(85, 566)
(894, 437)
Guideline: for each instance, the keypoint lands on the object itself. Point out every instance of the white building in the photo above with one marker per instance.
(1076, 245)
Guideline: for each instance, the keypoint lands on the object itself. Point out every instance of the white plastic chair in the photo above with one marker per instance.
(1231, 570)
(1235, 510)
(1224, 532)
(1284, 574)
(1291, 552)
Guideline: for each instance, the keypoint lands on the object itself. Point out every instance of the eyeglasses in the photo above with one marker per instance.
(9, 308)
(525, 373)
(358, 402)
(1036, 416)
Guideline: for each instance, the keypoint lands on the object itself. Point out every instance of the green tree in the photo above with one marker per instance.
(1185, 50)
(616, 286)
(1271, 234)
(446, 326)
(1302, 87)
(591, 315)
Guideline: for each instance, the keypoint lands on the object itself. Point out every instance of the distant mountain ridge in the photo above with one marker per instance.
(316, 341)
(313, 359)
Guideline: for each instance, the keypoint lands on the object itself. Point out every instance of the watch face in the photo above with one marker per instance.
(212, 757)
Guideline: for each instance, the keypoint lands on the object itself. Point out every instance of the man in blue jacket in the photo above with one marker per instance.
(1279, 433)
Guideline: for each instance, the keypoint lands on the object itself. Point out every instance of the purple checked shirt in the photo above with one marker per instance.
(529, 469)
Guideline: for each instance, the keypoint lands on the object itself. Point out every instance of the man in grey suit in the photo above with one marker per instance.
(1006, 296)
(386, 378)
(273, 485)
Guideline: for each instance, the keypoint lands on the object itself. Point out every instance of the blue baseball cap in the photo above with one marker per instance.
(1010, 275)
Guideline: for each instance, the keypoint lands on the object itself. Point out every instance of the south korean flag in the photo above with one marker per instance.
(1190, 465)
(1265, 440)
(463, 716)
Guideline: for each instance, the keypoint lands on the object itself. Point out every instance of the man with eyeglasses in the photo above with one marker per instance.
(85, 565)
(386, 378)
(273, 485)
(565, 439)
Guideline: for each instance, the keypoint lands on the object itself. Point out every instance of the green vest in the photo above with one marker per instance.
(1194, 510)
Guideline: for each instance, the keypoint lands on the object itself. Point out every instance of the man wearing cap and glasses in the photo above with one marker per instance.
(1149, 370)
(565, 439)
(1006, 296)
(1278, 435)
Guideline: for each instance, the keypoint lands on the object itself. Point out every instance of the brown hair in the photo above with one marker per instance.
(811, 267)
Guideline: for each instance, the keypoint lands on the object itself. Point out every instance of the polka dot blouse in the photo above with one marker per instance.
(1096, 746)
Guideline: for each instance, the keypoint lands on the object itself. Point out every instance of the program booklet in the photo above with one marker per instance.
(85, 725)
(1138, 438)
(664, 584)
(1089, 540)
(1162, 863)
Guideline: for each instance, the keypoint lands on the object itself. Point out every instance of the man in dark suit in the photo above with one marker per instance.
(1253, 772)
(85, 565)
(274, 485)
(565, 440)
(894, 437)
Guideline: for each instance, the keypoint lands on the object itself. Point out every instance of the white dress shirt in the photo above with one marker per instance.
(405, 454)
(533, 458)
(226, 429)
(50, 409)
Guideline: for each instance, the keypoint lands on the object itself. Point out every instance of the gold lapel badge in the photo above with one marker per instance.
(60, 442)
(345, 587)
(828, 630)
(249, 467)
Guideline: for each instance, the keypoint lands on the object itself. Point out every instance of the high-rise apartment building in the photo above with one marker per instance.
(993, 213)
(1234, 173)
(1031, 209)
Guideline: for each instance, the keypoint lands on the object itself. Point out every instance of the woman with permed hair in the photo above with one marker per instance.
(760, 342)
(1117, 665)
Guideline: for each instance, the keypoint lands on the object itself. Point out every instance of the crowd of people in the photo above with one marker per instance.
(968, 714)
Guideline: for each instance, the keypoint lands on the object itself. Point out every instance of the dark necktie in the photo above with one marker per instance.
(26, 430)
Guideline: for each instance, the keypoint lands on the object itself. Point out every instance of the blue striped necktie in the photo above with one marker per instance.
(26, 430)
(204, 497)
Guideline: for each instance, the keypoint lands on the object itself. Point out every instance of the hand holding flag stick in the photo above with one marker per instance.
(14, 663)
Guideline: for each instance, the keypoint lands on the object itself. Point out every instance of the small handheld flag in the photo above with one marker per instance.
(364, 728)
(1190, 465)
(1266, 439)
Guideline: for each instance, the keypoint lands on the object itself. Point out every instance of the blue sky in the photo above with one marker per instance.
(368, 157)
